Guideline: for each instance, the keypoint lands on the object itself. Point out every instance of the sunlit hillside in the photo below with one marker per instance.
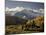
(34, 25)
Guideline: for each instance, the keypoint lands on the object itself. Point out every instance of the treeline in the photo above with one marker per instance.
(36, 24)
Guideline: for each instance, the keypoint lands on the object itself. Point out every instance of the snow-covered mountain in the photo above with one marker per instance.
(24, 12)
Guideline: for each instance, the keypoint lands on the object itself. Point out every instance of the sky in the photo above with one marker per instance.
(33, 5)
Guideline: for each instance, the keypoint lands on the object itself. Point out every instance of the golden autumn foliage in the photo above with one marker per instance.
(38, 21)
(14, 28)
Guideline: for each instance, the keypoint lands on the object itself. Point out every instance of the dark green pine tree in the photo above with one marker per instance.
(33, 24)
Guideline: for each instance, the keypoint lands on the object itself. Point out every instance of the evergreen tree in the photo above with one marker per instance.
(33, 24)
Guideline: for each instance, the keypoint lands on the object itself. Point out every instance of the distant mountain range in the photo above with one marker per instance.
(24, 13)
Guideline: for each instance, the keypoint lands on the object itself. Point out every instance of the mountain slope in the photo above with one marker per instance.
(24, 12)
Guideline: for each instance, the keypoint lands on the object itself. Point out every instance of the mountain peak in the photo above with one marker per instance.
(13, 11)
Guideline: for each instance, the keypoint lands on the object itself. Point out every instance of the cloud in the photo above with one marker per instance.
(39, 10)
(12, 11)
